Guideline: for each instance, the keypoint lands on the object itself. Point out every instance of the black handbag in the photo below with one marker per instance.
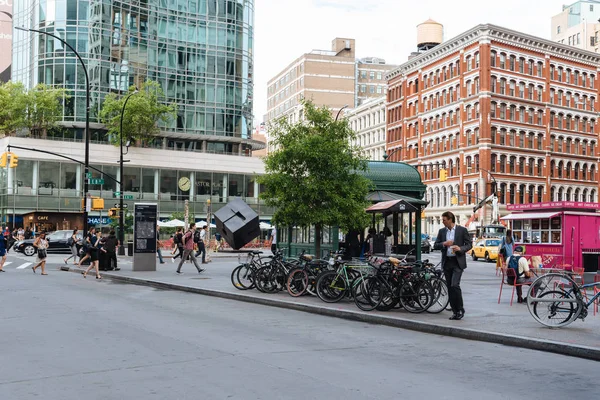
(42, 253)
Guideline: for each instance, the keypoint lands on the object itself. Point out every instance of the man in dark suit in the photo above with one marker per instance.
(454, 241)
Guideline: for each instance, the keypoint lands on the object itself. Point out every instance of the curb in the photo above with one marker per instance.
(590, 353)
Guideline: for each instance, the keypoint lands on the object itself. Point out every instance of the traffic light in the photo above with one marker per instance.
(14, 160)
(3, 160)
(97, 203)
(454, 200)
(443, 175)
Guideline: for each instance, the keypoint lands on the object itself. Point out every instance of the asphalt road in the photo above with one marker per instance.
(65, 337)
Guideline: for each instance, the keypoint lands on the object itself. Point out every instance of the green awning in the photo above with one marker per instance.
(382, 195)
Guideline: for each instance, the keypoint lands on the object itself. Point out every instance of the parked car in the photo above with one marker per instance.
(486, 248)
(57, 243)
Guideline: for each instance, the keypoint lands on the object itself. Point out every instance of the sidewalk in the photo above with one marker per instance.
(485, 320)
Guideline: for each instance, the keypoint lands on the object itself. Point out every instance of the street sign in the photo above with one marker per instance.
(117, 205)
(96, 181)
(88, 175)
(116, 194)
(128, 197)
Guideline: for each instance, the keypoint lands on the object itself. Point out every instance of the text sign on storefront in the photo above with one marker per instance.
(555, 204)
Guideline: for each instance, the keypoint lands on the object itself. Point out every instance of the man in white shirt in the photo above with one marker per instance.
(524, 273)
(274, 240)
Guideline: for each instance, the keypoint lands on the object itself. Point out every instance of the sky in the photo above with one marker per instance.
(286, 29)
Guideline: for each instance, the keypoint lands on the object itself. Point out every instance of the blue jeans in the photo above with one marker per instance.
(160, 256)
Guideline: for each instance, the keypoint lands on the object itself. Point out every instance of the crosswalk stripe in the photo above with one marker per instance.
(7, 263)
(23, 266)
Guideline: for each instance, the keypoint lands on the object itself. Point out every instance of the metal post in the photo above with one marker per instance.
(87, 118)
(121, 191)
(186, 214)
(208, 219)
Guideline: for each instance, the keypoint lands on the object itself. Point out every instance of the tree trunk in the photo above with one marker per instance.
(318, 240)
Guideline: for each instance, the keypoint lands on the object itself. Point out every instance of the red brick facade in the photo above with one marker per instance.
(496, 100)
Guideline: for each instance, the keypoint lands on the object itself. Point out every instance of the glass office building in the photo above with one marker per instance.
(199, 51)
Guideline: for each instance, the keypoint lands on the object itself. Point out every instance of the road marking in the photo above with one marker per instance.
(7, 263)
(23, 266)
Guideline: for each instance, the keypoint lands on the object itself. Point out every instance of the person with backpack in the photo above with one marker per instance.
(523, 274)
(178, 241)
(72, 242)
(188, 246)
(199, 238)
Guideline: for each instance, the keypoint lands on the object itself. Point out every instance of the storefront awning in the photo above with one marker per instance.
(538, 215)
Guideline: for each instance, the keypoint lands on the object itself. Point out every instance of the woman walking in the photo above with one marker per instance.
(41, 244)
(73, 242)
(178, 240)
(506, 248)
(87, 245)
(93, 253)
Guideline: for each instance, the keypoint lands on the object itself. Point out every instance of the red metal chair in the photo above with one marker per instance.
(503, 270)
(596, 291)
(512, 277)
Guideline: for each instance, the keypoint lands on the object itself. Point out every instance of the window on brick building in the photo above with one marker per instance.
(530, 140)
(502, 137)
(522, 90)
(539, 93)
(502, 60)
(502, 111)
(522, 65)
(493, 56)
(530, 115)
(530, 91)
(530, 67)
(493, 84)
(540, 120)
(493, 106)
(522, 114)
(511, 91)
(513, 113)
(512, 64)
(552, 72)
(540, 67)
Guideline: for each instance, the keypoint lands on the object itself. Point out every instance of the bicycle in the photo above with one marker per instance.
(243, 276)
(556, 300)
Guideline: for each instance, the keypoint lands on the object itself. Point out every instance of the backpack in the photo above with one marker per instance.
(197, 237)
(513, 263)
(70, 241)
(176, 239)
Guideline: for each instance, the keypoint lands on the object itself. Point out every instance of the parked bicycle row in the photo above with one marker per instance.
(374, 283)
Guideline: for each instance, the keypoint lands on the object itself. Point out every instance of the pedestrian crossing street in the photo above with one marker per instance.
(20, 264)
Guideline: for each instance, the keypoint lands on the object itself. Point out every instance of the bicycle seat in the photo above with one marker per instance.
(307, 257)
(394, 260)
(256, 252)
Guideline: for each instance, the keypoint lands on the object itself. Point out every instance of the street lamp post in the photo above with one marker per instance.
(338, 113)
(121, 195)
(87, 119)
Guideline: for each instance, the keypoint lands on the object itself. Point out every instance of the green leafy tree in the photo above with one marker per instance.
(313, 178)
(13, 107)
(127, 225)
(143, 113)
(44, 109)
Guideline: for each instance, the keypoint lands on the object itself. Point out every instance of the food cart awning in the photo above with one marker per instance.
(532, 215)
(392, 206)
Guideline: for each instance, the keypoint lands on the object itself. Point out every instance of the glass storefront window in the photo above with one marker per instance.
(24, 177)
(236, 185)
(48, 174)
(537, 231)
(110, 185)
(68, 176)
(131, 179)
(168, 183)
(203, 184)
(148, 187)
(219, 188)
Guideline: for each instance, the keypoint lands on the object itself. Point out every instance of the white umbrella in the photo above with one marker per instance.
(202, 224)
(174, 223)
(265, 226)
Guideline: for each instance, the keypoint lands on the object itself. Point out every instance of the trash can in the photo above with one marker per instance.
(130, 248)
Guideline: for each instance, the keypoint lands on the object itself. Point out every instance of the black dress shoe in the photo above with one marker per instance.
(460, 314)
(455, 317)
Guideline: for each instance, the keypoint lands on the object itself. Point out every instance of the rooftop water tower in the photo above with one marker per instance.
(429, 35)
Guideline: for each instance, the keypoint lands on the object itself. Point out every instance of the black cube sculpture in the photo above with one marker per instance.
(237, 223)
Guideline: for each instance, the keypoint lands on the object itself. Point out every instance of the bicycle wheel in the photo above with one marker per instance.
(368, 293)
(441, 297)
(266, 280)
(415, 297)
(331, 287)
(554, 308)
(245, 277)
(235, 278)
(297, 282)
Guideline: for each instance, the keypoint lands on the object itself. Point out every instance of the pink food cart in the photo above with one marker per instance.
(565, 233)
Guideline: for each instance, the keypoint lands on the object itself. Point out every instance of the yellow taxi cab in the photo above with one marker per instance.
(486, 248)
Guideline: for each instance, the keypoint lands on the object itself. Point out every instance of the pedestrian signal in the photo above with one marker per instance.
(454, 200)
(113, 213)
(443, 175)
